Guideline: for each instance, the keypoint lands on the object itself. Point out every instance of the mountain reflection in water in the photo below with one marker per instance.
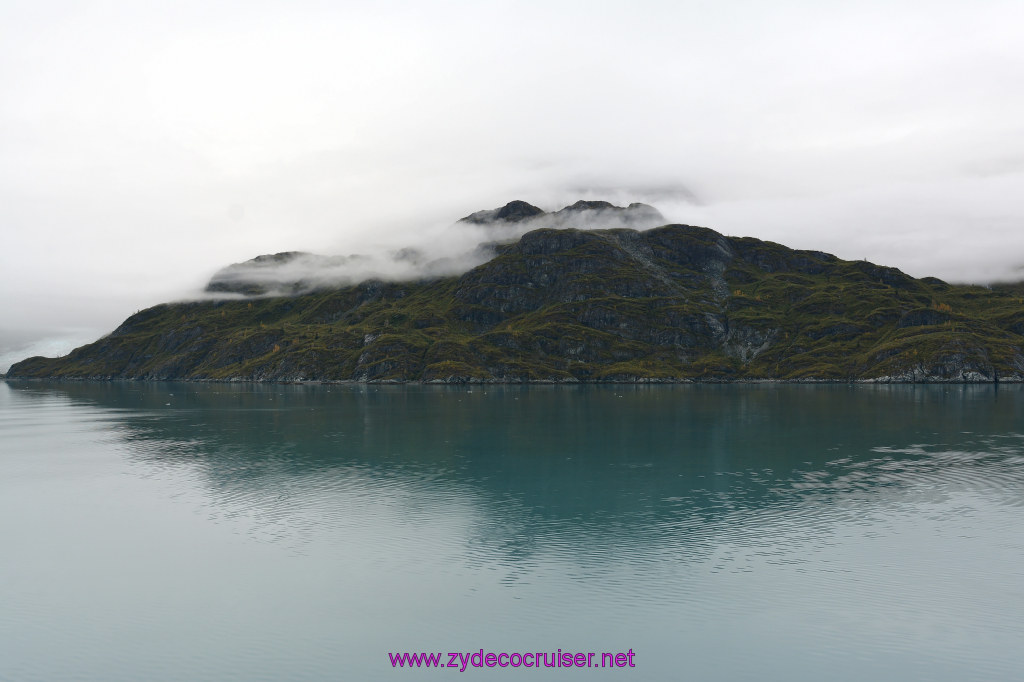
(671, 513)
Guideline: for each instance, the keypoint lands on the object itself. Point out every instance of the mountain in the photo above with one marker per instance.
(279, 273)
(672, 303)
(295, 272)
(582, 214)
(512, 212)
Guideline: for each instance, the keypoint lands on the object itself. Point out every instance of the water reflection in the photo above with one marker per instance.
(581, 470)
(770, 532)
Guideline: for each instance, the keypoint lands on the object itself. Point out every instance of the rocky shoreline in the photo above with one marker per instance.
(973, 380)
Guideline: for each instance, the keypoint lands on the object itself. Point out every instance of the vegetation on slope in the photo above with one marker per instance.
(672, 303)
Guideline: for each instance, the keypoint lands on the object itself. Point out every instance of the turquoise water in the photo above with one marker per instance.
(770, 532)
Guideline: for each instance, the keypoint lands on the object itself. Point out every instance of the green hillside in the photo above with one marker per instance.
(670, 303)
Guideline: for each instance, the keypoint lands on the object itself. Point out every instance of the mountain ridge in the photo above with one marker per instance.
(577, 214)
(674, 303)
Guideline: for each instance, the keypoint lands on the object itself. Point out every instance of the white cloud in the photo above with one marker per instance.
(142, 147)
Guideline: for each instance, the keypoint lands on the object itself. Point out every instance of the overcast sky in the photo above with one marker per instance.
(143, 145)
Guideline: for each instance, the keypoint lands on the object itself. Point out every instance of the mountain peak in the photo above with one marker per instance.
(590, 214)
(513, 212)
(582, 205)
(583, 213)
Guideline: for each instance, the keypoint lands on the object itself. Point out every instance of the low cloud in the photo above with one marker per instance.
(438, 252)
(16, 347)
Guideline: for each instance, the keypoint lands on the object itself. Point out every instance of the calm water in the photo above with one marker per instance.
(182, 532)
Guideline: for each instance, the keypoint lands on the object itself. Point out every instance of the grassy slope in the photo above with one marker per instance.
(600, 305)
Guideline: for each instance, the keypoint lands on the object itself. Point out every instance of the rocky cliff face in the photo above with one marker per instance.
(674, 303)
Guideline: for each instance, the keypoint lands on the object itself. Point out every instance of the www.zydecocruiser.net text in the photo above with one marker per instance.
(462, 660)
